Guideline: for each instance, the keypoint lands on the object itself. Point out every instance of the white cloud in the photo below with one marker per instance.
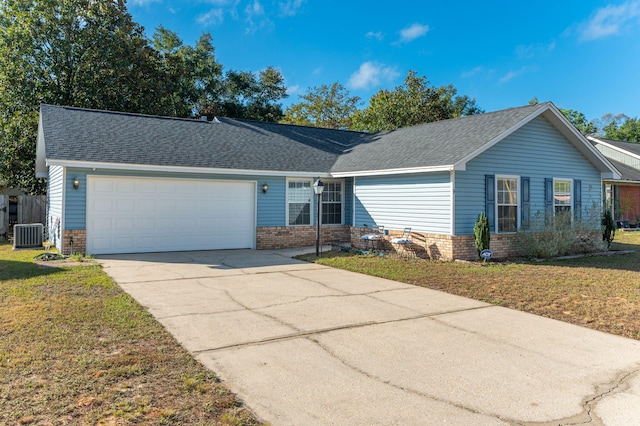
(293, 90)
(413, 32)
(533, 50)
(371, 74)
(143, 2)
(377, 35)
(513, 74)
(211, 18)
(290, 7)
(471, 73)
(610, 20)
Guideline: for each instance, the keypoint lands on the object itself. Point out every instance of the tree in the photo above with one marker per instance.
(620, 127)
(579, 120)
(193, 76)
(329, 107)
(245, 95)
(414, 102)
(86, 53)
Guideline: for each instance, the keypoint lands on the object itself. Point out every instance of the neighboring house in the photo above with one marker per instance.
(120, 183)
(622, 195)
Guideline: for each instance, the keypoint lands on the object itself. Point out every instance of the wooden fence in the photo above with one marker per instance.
(21, 209)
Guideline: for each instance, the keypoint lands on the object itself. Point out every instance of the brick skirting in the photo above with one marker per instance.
(75, 241)
(279, 237)
(440, 246)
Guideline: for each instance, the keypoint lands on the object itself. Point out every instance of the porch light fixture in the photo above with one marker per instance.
(76, 183)
(265, 188)
(318, 187)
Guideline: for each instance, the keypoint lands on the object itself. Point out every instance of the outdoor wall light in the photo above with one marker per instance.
(265, 188)
(318, 186)
(76, 183)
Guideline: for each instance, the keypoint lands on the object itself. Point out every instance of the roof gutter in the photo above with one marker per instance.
(180, 169)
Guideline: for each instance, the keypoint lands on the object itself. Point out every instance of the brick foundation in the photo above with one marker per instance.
(279, 237)
(79, 238)
(440, 246)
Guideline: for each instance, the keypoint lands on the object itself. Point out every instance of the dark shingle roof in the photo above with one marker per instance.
(633, 147)
(432, 144)
(628, 172)
(75, 134)
(90, 136)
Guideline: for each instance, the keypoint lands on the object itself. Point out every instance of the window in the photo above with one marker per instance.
(299, 202)
(332, 203)
(507, 203)
(562, 199)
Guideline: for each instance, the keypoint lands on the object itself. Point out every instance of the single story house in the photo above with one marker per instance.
(120, 182)
(622, 195)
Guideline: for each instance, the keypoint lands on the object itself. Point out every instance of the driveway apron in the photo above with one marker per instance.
(305, 344)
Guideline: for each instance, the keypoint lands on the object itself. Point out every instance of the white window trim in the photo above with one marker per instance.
(571, 195)
(342, 200)
(518, 197)
(312, 197)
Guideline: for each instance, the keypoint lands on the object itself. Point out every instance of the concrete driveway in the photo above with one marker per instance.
(303, 344)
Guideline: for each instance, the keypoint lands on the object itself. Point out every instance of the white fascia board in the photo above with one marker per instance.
(444, 168)
(615, 148)
(179, 169)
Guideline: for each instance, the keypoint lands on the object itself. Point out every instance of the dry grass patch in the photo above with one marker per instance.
(77, 350)
(600, 292)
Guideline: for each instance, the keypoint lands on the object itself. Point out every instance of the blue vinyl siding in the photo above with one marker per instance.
(55, 196)
(537, 151)
(271, 206)
(421, 201)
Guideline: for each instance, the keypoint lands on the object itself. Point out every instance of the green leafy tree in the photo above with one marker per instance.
(329, 107)
(579, 120)
(414, 102)
(481, 233)
(620, 127)
(247, 95)
(86, 53)
(193, 76)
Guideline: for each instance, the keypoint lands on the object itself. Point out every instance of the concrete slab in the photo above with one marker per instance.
(307, 344)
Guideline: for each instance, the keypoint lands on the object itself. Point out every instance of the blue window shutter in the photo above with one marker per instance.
(490, 200)
(577, 199)
(525, 202)
(548, 198)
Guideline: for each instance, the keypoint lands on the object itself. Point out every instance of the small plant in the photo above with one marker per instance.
(481, 233)
(608, 228)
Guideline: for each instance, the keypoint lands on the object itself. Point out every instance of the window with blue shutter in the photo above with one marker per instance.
(525, 203)
(490, 200)
(577, 199)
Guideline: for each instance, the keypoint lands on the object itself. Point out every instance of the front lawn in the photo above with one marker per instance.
(75, 349)
(598, 292)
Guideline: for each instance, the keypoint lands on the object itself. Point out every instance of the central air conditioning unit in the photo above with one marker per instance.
(28, 235)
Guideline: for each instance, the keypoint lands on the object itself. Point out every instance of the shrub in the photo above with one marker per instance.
(481, 233)
(559, 236)
(608, 228)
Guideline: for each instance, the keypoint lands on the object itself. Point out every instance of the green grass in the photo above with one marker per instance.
(600, 292)
(75, 349)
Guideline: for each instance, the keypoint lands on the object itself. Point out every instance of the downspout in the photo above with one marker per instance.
(452, 178)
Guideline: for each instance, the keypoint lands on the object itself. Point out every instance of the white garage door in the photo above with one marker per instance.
(131, 215)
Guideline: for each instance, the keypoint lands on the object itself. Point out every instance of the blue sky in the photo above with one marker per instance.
(579, 54)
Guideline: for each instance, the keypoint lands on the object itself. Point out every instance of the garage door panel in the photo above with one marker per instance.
(143, 214)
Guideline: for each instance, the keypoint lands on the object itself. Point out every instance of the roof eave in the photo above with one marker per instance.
(181, 169)
(399, 171)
